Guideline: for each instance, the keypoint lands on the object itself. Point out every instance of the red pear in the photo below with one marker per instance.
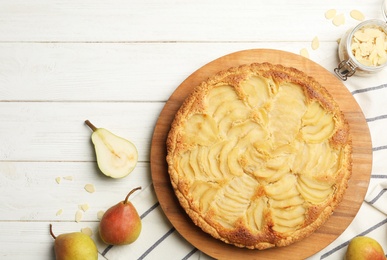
(121, 224)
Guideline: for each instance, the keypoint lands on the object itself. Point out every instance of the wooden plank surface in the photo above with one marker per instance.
(44, 72)
(343, 215)
(34, 184)
(120, 20)
(55, 131)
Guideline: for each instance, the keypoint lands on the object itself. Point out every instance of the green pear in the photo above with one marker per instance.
(74, 246)
(116, 156)
(364, 248)
(121, 224)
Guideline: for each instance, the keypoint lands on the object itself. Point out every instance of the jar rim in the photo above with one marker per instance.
(371, 22)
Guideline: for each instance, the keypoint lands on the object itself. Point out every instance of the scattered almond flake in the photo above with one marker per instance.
(330, 14)
(315, 43)
(59, 212)
(100, 214)
(304, 52)
(357, 15)
(87, 231)
(339, 20)
(58, 179)
(78, 216)
(68, 178)
(84, 207)
(90, 188)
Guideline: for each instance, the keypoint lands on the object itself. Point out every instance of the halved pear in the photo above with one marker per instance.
(116, 156)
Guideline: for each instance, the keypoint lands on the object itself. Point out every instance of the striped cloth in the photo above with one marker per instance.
(372, 217)
(160, 240)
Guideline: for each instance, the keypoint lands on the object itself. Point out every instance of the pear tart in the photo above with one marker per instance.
(259, 155)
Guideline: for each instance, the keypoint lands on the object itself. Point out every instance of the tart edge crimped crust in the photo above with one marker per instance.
(241, 236)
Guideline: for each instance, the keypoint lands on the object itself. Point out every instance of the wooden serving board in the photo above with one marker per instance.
(343, 215)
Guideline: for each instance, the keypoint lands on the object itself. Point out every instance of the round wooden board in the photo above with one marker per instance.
(343, 215)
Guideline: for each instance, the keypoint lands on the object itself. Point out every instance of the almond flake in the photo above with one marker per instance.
(87, 231)
(58, 179)
(357, 15)
(78, 216)
(84, 207)
(339, 20)
(315, 43)
(90, 188)
(362, 36)
(59, 212)
(368, 46)
(383, 60)
(304, 52)
(330, 14)
(379, 45)
(68, 178)
(373, 57)
(374, 32)
(100, 214)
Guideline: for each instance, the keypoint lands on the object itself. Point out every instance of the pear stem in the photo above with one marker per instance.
(52, 233)
(89, 124)
(130, 193)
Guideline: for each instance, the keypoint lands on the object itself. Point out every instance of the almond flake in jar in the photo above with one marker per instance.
(369, 46)
(363, 49)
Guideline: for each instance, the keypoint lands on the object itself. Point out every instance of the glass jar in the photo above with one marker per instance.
(349, 64)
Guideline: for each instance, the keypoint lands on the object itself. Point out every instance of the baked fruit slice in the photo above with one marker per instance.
(259, 155)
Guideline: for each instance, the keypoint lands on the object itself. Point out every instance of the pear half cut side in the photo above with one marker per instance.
(116, 156)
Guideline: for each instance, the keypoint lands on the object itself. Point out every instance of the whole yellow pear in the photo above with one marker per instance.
(364, 248)
(74, 246)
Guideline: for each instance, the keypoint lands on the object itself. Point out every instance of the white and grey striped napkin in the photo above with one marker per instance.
(373, 103)
(160, 240)
(371, 94)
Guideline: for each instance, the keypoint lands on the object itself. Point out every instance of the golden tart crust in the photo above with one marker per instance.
(259, 155)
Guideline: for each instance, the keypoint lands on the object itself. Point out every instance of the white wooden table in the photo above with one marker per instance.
(116, 63)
